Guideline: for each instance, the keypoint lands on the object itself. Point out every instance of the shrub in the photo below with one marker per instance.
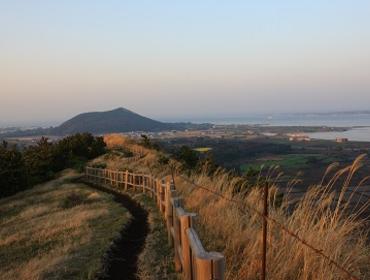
(163, 160)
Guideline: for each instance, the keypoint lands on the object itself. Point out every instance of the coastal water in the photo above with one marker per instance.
(354, 134)
(357, 122)
(334, 119)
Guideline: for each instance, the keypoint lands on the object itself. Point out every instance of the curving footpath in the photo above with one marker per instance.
(122, 258)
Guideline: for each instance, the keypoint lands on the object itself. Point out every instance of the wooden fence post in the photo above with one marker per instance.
(154, 183)
(161, 208)
(159, 182)
(209, 266)
(150, 183)
(185, 223)
(219, 266)
(163, 197)
(176, 203)
(158, 191)
(168, 212)
(144, 183)
(124, 180)
(204, 265)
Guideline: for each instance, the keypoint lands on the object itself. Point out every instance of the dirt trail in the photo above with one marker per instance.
(122, 257)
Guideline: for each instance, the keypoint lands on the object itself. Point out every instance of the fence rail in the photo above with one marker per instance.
(190, 256)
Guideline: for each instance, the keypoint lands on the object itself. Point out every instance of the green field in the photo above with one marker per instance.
(286, 162)
(203, 149)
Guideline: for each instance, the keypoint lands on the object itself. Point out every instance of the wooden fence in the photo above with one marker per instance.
(190, 257)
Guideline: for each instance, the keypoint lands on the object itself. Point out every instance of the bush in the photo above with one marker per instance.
(163, 160)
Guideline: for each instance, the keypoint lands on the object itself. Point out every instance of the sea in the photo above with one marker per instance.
(358, 123)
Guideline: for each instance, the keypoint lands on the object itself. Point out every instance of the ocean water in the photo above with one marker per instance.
(355, 134)
(359, 123)
(335, 119)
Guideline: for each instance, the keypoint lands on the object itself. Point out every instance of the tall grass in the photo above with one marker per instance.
(323, 216)
(328, 216)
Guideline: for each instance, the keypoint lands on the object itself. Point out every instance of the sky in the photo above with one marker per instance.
(180, 59)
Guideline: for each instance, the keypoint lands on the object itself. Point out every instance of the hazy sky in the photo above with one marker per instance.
(177, 59)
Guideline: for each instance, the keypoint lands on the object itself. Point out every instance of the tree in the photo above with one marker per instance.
(39, 161)
(12, 171)
(148, 143)
(188, 157)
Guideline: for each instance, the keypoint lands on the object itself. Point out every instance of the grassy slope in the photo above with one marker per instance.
(318, 218)
(58, 230)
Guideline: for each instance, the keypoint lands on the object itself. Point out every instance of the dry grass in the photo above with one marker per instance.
(58, 230)
(116, 140)
(156, 260)
(323, 217)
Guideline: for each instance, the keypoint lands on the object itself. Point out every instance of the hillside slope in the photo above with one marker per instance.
(58, 230)
(317, 217)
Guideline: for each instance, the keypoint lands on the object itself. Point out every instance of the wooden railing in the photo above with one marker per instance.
(190, 257)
